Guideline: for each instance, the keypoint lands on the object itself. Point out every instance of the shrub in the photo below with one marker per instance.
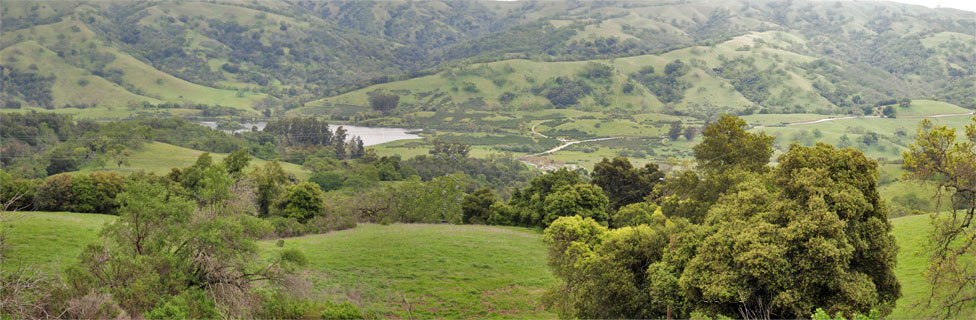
(191, 304)
(327, 181)
(343, 310)
(277, 305)
(55, 193)
(636, 214)
(303, 201)
(287, 227)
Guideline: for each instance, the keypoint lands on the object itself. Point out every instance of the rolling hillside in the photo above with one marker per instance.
(779, 57)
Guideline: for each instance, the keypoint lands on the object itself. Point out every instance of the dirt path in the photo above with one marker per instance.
(569, 143)
(537, 124)
(867, 117)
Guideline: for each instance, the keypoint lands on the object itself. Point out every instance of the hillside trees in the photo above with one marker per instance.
(623, 183)
(735, 238)
(384, 102)
(938, 155)
(669, 87)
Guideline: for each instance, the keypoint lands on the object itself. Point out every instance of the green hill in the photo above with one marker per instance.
(798, 56)
(420, 270)
(159, 158)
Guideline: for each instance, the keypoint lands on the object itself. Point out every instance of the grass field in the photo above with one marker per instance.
(48, 240)
(413, 270)
(159, 158)
(425, 271)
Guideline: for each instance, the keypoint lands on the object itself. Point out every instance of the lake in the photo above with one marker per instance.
(370, 135)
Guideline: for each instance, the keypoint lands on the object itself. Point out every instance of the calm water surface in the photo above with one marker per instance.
(370, 135)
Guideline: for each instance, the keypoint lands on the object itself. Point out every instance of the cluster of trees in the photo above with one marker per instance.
(668, 88)
(29, 87)
(732, 237)
(40, 144)
(309, 135)
(564, 92)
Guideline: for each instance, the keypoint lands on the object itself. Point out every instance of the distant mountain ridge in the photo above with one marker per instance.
(253, 56)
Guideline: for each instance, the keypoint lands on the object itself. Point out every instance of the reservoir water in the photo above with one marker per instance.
(370, 135)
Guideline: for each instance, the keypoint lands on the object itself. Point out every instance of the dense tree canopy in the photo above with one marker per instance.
(623, 183)
(766, 242)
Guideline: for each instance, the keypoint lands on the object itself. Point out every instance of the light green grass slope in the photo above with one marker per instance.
(444, 271)
(912, 234)
(159, 158)
(48, 240)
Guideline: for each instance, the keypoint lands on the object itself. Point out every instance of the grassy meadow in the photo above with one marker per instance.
(159, 158)
(415, 270)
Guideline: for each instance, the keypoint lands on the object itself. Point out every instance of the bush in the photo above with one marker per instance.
(343, 310)
(331, 221)
(23, 190)
(56, 193)
(327, 181)
(303, 201)
(287, 227)
(277, 305)
(191, 304)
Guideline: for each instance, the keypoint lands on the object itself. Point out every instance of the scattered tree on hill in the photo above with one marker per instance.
(905, 102)
(727, 145)
(623, 183)
(455, 150)
(236, 162)
(270, 181)
(938, 155)
(889, 111)
(675, 132)
(690, 133)
(384, 102)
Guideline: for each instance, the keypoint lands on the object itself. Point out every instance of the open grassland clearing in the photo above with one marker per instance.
(160, 158)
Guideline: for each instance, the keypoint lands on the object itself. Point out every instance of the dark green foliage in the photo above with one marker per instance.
(635, 214)
(270, 181)
(584, 200)
(18, 193)
(563, 92)
(675, 131)
(727, 145)
(597, 72)
(56, 193)
(476, 206)
(159, 252)
(668, 88)
(823, 200)
(384, 102)
(529, 205)
(889, 111)
(30, 87)
(303, 201)
(190, 304)
(303, 131)
(236, 162)
(453, 150)
(625, 184)
(327, 181)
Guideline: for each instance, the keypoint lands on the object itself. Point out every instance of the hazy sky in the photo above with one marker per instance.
(969, 5)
